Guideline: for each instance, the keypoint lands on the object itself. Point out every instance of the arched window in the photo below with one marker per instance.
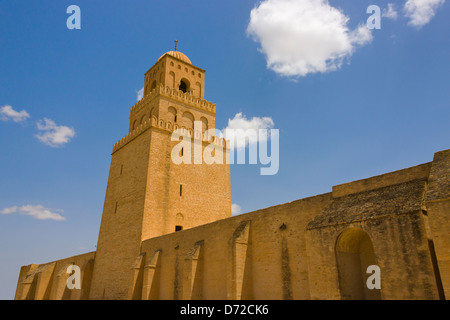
(204, 124)
(171, 80)
(153, 86)
(153, 112)
(354, 253)
(184, 85)
(188, 120)
(198, 88)
(172, 114)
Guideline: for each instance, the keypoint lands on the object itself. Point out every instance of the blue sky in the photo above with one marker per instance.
(379, 103)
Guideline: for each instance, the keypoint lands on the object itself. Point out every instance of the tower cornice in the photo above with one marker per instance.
(163, 125)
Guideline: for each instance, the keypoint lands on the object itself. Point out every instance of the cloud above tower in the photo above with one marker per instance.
(304, 37)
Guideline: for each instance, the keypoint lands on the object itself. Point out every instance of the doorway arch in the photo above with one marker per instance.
(354, 253)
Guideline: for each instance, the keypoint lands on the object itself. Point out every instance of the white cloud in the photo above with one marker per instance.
(361, 35)
(140, 94)
(240, 129)
(303, 37)
(420, 12)
(8, 113)
(52, 134)
(9, 210)
(235, 209)
(390, 12)
(37, 212)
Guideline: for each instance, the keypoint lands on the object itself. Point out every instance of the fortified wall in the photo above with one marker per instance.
(305, 249)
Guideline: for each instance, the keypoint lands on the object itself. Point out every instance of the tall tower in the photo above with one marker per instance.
(148, 195)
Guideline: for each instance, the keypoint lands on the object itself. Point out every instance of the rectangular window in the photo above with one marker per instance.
(181, 190)
(178, 228)
(115, 209)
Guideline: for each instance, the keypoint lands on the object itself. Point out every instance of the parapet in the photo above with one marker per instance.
(174, 94)
(155, 122)
(419, 172)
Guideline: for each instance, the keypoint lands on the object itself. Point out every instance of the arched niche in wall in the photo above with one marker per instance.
(172, 114)
(204, 124)
(188, 120)
(354, 253)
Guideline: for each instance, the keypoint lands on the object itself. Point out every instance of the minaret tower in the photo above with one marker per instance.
(148, 195)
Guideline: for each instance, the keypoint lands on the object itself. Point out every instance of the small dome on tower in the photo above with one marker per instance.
(177, 54)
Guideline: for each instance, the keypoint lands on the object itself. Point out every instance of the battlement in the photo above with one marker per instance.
(174, 94)
(155, 122)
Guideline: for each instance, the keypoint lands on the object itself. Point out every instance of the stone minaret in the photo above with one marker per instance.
(148, 195)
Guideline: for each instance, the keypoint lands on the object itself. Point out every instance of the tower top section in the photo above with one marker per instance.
(174, 70)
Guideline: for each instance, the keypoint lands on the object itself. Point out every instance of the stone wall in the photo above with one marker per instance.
(304, 249)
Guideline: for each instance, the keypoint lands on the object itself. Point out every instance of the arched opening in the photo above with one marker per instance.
(354, 253)
(153, 86)
(153, 112)
(204, 124)
(188, 120)
(172, 114)
(198, 88)
(184, 85)
(171, 80)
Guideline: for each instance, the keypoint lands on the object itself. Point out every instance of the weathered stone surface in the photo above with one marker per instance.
(396, 199)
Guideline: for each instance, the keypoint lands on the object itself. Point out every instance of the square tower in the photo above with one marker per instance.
(148, 194)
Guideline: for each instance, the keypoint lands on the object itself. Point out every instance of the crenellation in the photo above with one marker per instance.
(176, 95)
(156, 122)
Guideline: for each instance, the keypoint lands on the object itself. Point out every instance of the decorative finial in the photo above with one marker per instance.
(176, 43)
